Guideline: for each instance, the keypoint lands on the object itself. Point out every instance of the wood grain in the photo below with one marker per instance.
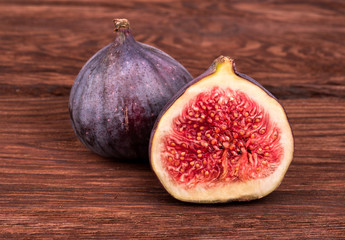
(52, 187)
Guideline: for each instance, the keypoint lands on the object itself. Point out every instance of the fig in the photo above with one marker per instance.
(119, 92)
(223, 137)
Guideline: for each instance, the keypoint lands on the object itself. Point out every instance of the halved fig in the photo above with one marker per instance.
(223, 137)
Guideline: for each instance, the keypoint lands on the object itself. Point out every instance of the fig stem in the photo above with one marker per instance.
(120, 23)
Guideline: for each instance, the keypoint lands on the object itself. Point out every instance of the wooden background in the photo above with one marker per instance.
(52, 187)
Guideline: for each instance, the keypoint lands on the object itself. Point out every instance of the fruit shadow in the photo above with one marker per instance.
(132, 162)
(270, 199)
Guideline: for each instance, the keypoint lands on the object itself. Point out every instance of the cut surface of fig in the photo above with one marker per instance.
(222, 138)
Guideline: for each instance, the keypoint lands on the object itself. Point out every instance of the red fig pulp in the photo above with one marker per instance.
(119, 93)
(223, 137)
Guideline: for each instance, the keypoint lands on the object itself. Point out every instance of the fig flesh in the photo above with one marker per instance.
(223, 137)
(119, 93)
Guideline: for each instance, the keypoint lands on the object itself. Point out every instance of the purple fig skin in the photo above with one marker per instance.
(209, 71)
(119, 93)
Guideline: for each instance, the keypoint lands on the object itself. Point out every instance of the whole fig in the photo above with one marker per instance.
(119, 93)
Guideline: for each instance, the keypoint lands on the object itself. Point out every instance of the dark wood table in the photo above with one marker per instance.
(52, 187)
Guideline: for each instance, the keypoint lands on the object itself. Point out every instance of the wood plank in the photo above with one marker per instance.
(280, 44)
(52, 187)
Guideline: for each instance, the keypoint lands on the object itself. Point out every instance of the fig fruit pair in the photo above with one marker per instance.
(220, 137)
